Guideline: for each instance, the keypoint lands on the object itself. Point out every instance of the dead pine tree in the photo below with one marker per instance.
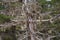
(29, 8)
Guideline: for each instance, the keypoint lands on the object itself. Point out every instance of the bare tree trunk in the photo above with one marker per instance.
(30, 25)
(31, 30)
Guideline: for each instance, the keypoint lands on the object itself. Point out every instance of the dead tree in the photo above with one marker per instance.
(32, 12)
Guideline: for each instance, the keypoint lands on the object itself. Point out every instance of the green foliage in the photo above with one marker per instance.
(46, 17)
(1, 7)
(55, 1)
(44, 4)
(13, 4)
(4, 18)
(56, 38)
(18, 27)
(7, 37)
